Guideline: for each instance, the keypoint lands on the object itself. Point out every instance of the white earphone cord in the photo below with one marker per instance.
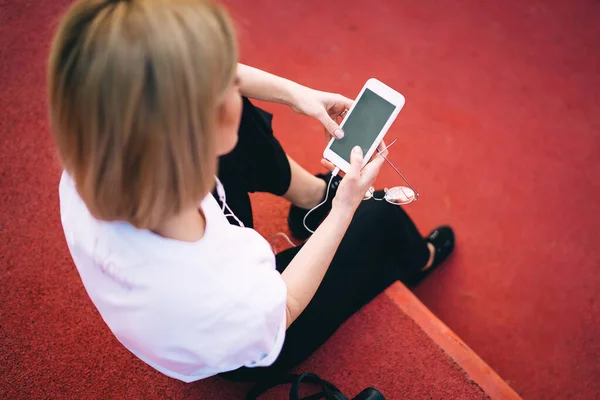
(228, 212)
(223, 198)
(231, 214)
(333, 174)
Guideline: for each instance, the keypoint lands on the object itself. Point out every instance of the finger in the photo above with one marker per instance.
(356, 160)
(327, 164)
(382, 149)
(330, 125)
(346, 102)
(371, 170)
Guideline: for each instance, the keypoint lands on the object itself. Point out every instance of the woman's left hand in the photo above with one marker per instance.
(325, 107)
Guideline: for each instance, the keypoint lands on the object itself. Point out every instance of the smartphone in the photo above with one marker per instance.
(366, 123)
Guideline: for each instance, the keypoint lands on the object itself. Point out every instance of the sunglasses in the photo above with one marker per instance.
(398, 195)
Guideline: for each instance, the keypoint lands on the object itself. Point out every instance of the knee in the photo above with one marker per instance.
(379, 213)
(382, 218)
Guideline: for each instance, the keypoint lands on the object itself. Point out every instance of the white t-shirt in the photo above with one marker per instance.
(190, 310)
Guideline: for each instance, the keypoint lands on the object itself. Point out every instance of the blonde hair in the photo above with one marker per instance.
(133, 91)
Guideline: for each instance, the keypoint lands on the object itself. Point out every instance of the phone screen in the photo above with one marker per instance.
(364, 124)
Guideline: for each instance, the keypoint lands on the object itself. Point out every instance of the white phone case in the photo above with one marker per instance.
(384, 92)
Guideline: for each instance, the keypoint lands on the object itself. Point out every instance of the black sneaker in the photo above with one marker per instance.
(297, 214)
(442, 239)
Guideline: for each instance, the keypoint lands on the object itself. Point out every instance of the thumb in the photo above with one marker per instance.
(331, 126)
(356, 160)
(371, 170)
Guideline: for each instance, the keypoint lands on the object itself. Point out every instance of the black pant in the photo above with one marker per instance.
(382, 245)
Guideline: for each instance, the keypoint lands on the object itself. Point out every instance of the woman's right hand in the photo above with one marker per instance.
(356, 182)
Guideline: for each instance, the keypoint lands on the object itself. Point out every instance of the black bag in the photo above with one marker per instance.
(328, 390)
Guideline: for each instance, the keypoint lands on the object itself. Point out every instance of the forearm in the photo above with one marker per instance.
(306, 271)
(261, 85)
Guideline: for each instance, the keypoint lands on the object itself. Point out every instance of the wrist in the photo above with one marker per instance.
(342, 209)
